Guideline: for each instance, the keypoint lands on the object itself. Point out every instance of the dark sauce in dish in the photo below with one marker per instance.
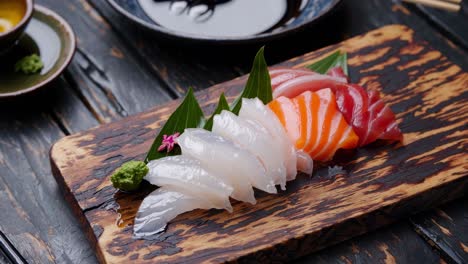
(223, 18)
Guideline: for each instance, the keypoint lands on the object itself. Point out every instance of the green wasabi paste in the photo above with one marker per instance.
(29, 65)
(129, 176)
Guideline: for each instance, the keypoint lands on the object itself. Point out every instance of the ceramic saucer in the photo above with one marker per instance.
(47, 35)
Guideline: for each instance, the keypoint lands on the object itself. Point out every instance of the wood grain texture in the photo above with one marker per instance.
(355, 17)
(66, 108)
(452, 24)
(395, 244)
(447, 229)
(104, 72)
(201, 71)
(67, 114)
(360, 16)
(33, 215)
(383, 182)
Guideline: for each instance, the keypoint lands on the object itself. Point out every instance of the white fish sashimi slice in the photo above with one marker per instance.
(255, 110)
(191, 178)
(256, 140)
(237, 166)
(226, 160)
(160, 207)
(304, 162)
(280, 177)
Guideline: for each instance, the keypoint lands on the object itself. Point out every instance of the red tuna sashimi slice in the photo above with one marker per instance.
(353, 102)
(383, 121)
(367, 113)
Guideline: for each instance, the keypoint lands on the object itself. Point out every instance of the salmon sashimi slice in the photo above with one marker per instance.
(368, 114)
(322, 129)
(336, 132)
(305, 118)
(287, 113)
(314, 104)
(326, 112)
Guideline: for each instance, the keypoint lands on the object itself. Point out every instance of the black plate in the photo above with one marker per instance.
(313, 12)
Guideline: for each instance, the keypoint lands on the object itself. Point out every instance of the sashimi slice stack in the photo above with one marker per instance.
(366, 112)
(311, 117)
(242, 152)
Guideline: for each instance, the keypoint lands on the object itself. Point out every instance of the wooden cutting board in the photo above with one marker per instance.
(381, 182)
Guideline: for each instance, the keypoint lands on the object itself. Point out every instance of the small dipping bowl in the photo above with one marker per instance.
(9, 38)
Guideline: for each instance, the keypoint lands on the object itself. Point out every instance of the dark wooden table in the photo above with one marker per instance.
(120, 70)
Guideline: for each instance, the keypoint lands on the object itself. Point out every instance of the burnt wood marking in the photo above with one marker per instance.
(384, 182)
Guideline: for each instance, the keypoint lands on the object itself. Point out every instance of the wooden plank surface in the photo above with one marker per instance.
(361, 16)
(411, 76)
(104, 68)
(447, 229)
(33, 216)
(433, 27)
(395, 244)
(68, 116)
(451, 24)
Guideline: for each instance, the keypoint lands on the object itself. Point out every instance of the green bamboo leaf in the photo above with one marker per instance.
(190, 115)
(258, 84)
(222, 105)
(343, 62)
(187, 115)
(337, 58)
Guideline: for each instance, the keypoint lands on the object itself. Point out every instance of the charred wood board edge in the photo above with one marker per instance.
(348, 229)
(92, 204)
(70, 198)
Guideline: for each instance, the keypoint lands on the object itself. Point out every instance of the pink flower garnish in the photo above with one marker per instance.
(168, 142)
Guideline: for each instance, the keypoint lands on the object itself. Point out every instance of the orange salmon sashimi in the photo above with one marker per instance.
(315, 124)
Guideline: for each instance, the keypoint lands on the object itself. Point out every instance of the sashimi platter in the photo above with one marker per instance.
(279, 163)
(258, 142)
